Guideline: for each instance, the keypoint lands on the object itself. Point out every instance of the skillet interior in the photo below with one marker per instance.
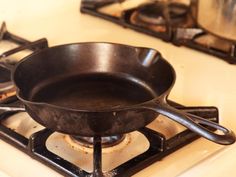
(93, 76)
(97, 91)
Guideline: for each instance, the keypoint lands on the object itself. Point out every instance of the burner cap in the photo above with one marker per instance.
(155, 13)
(108, 141)
(152, 13)
(177, 10)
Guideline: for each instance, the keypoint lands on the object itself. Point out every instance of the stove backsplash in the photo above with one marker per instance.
(172, 21)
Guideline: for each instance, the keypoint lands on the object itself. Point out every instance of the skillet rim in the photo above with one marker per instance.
(123, 108)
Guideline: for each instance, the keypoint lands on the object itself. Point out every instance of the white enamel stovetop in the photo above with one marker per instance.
(201, 80)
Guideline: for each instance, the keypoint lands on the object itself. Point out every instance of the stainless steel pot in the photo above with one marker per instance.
(217, 17)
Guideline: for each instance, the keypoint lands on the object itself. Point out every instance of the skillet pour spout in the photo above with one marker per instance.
(102, 89)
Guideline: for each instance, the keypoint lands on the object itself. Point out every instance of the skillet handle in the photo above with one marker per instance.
(193, 122)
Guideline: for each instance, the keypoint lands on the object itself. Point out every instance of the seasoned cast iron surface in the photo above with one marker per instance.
(93, 91)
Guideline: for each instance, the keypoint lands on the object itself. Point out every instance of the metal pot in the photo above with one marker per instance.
(217, 17)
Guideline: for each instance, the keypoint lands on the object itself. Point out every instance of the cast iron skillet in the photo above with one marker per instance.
(102, 89)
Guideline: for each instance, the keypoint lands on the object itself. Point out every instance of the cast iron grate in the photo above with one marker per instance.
(35, 145)
(23, 43)
(179, 28)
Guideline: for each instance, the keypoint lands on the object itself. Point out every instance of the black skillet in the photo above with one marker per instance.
(102, 89)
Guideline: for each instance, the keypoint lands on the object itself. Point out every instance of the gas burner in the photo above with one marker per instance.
(152, 13)
(159, 16)
(60, 152)
(177, 10)
(161, 13)
(108, 141)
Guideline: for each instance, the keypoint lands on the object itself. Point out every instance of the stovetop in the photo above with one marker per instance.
(171, 21)
(157, 140)
(201, 80)
(60, 151)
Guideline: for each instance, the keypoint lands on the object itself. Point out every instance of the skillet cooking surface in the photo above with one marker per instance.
(93, 92)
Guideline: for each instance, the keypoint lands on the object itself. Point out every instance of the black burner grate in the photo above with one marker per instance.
(24, 44)
(160, 147)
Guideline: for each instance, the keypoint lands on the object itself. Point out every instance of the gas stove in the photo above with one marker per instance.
(171, 21)
(25, 143)
(73, 155)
